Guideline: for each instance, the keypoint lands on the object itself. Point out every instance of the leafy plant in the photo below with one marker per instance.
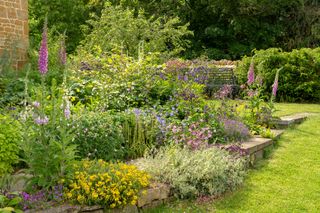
(298, 77)
(135, 33)
(10, 140)
(195, 173)
(47, 147)
(10, 203)
(99, 136)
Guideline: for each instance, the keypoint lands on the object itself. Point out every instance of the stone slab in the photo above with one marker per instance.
(255, 144)
(289, 120)
(277, 133)
(157, 191)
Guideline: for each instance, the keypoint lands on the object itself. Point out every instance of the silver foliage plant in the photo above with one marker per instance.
(195, 173)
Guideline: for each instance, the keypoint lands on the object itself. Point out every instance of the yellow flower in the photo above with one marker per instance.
(94, 195)
(113, 205)
(69, 195)
(80, 198)
(93, 177)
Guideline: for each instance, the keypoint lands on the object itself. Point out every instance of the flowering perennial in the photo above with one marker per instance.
(107, 184)
(43, 52)
(275, 85)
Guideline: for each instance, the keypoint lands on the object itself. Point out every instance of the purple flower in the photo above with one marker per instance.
(43, 52)
(235, 130)
(185, 78)
(67, 111)
(251, 74)
(275, 85)
(252, 93)
(136, 111)
(224, 92)
(36, 104)
(25, 196)
(62, 53)
(41, 121)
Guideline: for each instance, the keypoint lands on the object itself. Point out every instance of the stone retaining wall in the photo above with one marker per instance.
(14, 31)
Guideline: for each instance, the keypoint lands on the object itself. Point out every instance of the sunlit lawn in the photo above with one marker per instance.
(288, 181)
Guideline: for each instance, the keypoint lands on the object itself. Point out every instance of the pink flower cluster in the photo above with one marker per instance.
(194, 135)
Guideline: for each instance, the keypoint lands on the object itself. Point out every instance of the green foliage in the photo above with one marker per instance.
(299, 77)
(116, 81)
(64, 16)
(99, 136)
(134, 34)
(115, 136)
(194, 173)
(47, 147)
(222, 29)
(10, 140)
(8, 205)
(140, 130)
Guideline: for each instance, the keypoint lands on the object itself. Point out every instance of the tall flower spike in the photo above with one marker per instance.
(43, 52)
(251, 74)
(62, 52)
(275, 85)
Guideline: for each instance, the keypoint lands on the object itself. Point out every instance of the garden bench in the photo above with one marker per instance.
(218, 77)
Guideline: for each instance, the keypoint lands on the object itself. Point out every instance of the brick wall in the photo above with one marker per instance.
(14, 31)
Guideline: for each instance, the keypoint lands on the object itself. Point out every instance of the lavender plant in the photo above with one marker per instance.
(234, 130)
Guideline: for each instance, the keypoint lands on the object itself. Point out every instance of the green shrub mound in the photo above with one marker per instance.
(114, 136)
(299, 75)
(10, 137)
(99, 136)
(194, 173)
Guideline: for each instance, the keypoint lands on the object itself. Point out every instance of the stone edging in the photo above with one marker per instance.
(255, 146)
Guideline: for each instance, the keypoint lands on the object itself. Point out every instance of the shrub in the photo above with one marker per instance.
(10, 139)
(194, 173)
(299, 77)
(134, 33)
(106, 184)
(99, 136)
(116, 81)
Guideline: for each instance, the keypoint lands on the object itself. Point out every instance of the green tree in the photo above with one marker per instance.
(120, 28)
(63, 16)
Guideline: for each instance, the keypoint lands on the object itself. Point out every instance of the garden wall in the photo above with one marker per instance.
(14, 31)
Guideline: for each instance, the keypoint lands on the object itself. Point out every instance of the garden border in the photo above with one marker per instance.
(159, 193)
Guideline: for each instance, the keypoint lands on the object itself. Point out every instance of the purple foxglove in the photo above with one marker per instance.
(42, 121)
(275, 85)
(67, 111)
(43, 52)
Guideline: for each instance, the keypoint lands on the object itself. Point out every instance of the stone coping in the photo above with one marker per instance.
(156, 194)
(290, 120)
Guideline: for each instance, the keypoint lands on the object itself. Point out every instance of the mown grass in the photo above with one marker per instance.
(288, 181)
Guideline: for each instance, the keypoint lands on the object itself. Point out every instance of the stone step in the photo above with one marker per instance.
(256, 144)
(290, 120)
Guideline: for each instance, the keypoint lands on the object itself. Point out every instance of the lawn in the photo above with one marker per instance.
(288, 181)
